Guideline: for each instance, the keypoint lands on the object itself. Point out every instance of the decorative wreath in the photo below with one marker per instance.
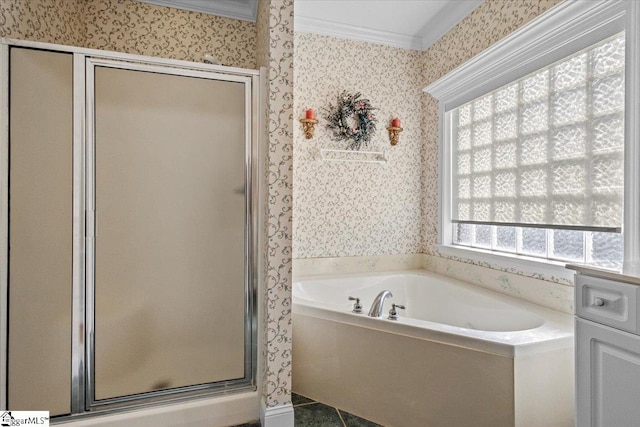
(361, 129)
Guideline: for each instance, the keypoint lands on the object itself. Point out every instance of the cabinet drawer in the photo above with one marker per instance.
(608, 302)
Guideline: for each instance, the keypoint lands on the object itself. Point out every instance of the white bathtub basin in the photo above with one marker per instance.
(440, 308)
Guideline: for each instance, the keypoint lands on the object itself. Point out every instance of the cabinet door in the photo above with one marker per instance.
(608, 376)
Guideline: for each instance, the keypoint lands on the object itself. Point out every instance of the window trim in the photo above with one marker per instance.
(560, 32)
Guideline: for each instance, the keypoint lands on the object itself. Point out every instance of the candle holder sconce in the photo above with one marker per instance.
(394, 134)
(308, 125)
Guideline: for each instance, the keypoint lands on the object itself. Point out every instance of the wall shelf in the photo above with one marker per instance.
(329, 155)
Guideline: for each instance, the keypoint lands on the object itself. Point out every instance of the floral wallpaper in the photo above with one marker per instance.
(490, 22)
(275, 51)
(145, 29)
(262, 35)
(343, 209)
(131, 27)
(50, 21)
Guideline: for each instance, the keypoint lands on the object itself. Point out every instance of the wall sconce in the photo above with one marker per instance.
(394, 131)
(309, 123)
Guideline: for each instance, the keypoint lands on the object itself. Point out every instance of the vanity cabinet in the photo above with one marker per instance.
(607, 352)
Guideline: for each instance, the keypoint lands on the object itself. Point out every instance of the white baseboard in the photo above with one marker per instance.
(277, 416)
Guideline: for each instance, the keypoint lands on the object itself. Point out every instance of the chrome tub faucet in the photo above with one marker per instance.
(376, 307)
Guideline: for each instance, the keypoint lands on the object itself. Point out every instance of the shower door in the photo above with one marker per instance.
(168, 233)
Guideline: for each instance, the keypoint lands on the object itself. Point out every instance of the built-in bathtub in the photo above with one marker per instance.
(458, 356)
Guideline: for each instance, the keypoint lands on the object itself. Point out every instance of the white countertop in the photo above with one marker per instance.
(627, 272)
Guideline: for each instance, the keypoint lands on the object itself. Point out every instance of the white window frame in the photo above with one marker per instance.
(558, 33)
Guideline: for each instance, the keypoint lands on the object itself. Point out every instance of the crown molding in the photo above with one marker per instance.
(244, 10)
(566, 28)
(344, 31)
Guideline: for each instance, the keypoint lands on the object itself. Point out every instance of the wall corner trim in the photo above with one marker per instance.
(276, 416)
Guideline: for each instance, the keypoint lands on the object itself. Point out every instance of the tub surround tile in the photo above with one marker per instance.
(565, 279)
(364, 264)
(555, 295)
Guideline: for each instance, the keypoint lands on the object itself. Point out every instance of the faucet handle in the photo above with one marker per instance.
(357, 307)
(393, 313)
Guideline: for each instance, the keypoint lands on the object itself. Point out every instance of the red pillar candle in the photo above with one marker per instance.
(310, 114)
(395, 122)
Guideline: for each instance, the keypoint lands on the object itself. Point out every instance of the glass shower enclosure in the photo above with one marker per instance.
(129, 225)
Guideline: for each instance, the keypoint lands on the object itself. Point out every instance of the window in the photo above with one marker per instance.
(536, 147)
(538, 164)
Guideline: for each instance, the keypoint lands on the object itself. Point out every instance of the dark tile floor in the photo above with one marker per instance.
(309, 413)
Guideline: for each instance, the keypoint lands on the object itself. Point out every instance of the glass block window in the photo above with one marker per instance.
(546, 152)
(562, 245)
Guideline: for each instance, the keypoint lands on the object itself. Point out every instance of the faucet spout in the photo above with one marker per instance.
(376, 307)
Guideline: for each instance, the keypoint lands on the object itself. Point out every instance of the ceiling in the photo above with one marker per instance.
(409, 24)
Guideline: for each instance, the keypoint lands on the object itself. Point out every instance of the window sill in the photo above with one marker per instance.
(547, 268)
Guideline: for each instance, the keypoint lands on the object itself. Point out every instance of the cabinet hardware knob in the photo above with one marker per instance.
(599, 302)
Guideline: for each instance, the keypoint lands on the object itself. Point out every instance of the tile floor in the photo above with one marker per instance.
(309, 413)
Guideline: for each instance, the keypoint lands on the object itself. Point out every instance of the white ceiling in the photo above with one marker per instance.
(409, 24)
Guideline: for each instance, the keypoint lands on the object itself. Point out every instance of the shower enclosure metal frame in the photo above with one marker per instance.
(82, 355)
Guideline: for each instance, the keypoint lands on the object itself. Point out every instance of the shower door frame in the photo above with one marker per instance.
(83, 287)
